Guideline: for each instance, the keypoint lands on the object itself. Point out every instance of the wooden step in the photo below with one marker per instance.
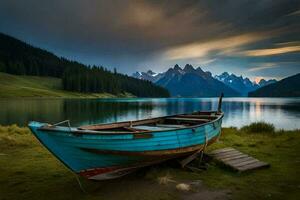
(222, 150)
(237, 160)
(234, 157)
(228, 154)
(252, 166)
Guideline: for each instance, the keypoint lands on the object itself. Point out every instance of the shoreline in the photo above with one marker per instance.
(70, 97)
(21, 86)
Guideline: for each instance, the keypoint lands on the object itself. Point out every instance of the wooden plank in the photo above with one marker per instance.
(226, 152)
(133, 129)
(198, 116)
(237, 160)
(119, 124)
(171, 126)
(228, 155)
(152, 128)
(256, 165)
(188, 119)
(189, 159)
(54, 129)
(221, 150)
(234, 157)
(247, 162)
(104, 126)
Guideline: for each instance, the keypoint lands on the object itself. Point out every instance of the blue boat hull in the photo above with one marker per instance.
(104, 156)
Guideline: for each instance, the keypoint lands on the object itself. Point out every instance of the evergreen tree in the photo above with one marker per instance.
(17, 57)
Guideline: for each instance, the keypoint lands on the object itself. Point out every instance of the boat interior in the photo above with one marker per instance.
(157, 124)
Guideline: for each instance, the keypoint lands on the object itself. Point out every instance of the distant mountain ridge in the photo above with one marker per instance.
(264, 82)
(287, 87)
(190, 77)
(149, 76)
(242, 85)
(188, 82)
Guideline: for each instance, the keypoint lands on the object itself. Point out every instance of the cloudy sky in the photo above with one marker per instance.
(250, 38)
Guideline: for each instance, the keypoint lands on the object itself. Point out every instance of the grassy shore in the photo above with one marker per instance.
(28, 171)
(33, 86)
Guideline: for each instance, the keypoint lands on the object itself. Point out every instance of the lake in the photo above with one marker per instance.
(284, 113)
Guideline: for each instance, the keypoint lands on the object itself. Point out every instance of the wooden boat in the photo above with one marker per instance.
(106, 151)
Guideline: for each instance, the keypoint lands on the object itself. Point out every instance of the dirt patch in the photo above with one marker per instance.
(207, 195)
(199, 191)
(192, 189)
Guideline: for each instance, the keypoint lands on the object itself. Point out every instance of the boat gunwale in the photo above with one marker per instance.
(219, 116)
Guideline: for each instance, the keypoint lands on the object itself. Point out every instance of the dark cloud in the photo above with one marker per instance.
(133, 35)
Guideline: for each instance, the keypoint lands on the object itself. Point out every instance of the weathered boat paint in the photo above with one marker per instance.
(103, 155)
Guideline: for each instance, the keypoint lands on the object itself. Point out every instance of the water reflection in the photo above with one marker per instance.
(283, 112)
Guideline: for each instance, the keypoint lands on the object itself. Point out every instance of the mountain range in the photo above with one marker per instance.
(194, 82)
(287, 87)
(242, 85)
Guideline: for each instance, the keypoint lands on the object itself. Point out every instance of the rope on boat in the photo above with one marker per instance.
(205, 145)
(76, 176)
(79, 183)
(63, 122)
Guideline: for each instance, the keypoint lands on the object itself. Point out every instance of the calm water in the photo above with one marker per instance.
(282, 112)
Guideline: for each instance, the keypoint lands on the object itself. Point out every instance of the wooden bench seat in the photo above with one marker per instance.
(188, 119)
(171, 125)
(152, 128)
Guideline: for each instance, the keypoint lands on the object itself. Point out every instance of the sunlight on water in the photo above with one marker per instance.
(282, 112)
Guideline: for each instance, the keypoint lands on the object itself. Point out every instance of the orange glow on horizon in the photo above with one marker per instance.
(257, 79)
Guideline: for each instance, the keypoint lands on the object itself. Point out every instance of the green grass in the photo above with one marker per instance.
(259, 127)
(28, 171)
(280, 149)
(34, 86)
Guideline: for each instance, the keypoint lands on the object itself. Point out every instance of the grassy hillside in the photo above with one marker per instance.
(19, 58)
(34, 86)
